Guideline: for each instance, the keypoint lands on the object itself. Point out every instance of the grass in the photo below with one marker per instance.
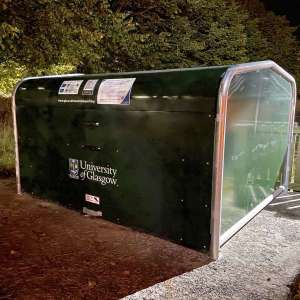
(7, 154)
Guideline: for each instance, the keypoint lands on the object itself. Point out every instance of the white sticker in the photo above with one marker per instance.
(115, 91)
(89, 87)
(92, 199)
(90, 212)
(70, 87)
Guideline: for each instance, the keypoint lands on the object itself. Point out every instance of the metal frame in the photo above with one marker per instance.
(216, 240)
(14, 114)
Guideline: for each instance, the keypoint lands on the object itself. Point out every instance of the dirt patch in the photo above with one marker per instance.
(49, 252)
(6, 173)
(295, 289)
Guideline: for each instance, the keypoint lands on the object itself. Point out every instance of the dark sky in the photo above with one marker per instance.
(289, 8)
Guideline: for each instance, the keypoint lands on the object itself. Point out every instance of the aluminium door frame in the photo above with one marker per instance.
(217, 240)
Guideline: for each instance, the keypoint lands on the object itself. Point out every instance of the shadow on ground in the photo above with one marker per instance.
(49, 252)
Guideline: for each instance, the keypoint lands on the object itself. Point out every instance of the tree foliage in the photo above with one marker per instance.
(278, 39)
(11, 72)
(51, 36)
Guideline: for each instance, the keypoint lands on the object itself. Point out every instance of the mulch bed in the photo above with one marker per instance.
(295, 289)
(50, 252)
(6, 173)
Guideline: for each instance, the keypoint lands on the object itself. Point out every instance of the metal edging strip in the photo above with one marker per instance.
(290, 134)
(219, 140)
(219, 145)
(14, 114)
(242, 222)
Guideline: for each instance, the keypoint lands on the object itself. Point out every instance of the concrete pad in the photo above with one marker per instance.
(258, 263)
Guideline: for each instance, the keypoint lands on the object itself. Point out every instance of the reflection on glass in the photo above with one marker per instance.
(255, 141)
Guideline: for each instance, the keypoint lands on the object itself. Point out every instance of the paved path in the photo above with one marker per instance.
(287, 205)
(258, 263)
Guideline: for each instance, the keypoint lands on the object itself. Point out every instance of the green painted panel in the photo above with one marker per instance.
(150, 162)
(256, 141)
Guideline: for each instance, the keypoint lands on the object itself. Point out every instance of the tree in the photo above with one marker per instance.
(278, 40)
(186, 33)
(63, 32)
(97, 35)
(220, 26)
(43, 36)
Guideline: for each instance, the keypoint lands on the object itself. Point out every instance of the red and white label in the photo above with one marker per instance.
(92, 199)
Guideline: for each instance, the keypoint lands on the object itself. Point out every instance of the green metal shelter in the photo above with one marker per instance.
(190, 155)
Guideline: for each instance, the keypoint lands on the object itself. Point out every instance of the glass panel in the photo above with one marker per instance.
(255, 142)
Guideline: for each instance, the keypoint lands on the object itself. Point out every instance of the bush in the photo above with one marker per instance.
(7, 153)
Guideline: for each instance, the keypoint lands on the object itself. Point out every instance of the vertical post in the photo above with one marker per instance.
(14, 114)
(287, 167)
(216, 208)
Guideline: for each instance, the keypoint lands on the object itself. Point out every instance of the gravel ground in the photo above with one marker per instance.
(258, 263)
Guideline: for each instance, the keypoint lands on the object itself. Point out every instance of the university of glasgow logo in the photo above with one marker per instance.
(73, 168)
